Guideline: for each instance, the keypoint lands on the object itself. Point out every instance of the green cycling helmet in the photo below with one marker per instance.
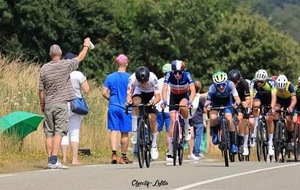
(219, 77)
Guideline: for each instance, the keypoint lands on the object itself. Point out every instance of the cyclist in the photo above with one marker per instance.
(242, 88)
(265, 95)
(142, 86)
(221, 93)
(286, 97)
(183, 92)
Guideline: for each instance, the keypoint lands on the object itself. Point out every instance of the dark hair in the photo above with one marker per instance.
(142, 74)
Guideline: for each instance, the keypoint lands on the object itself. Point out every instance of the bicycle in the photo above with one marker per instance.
(224, 144)
(144, 138)
(178, 135)
(240, 155)
(262, 133)
(280, 136)
(296, 140)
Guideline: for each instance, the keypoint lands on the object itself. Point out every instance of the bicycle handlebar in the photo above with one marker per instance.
(139, 105)
(178, 106)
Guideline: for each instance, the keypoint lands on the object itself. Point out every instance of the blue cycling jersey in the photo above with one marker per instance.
(215, 94)
(179, 86)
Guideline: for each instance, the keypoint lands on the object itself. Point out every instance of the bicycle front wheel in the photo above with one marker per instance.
(147, 145)
(175, 141)
(225, 141)
(296, 142)
(181, 145)
(141, 142)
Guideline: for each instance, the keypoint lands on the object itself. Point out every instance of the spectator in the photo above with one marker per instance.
(55, 91)
(197, 124)
(115, 91)
(163, 118)
(79, 84)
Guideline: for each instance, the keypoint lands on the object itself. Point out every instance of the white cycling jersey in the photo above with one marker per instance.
(151, 86)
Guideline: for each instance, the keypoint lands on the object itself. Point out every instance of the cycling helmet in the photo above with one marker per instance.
(219, 77)
(248, 81)
(142, 74)
(299, 79)
(178, 65)
(167, 67)
(234, 75)
(281, 82)
(261, 74)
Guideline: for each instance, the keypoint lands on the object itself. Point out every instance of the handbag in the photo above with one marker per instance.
(79, 106)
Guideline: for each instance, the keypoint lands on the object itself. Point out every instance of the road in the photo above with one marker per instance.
(205, 174)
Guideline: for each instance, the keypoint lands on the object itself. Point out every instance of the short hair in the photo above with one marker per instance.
(55, 50)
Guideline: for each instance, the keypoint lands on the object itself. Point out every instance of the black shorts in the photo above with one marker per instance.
(146, 97)
(175, 99)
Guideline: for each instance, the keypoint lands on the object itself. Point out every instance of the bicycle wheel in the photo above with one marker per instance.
(277, 141)
(141, 142)
(296, 142)
(147, 148)
(175, 141)
(264, 140)
(225, 141)
(181, 144)
(259, 142)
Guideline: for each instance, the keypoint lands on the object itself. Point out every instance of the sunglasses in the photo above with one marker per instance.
(260, 81)
(236, 81)
(177, 72)
(221, 85)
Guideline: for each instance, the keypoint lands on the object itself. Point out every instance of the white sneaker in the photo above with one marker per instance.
(193, 157)
(270, 150)
(188, 135)
(201, 156)
(252, 142)
(154, 153)
(134, 137)
(57, 165)
(245, 151)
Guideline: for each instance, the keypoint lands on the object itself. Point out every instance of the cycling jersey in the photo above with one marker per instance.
(287, 93)
(268, 88)
(151, 86)
(179, 86)
(214, 94)
(243, 89)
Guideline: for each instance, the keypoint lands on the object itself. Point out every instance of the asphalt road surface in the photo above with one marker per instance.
(204, 174)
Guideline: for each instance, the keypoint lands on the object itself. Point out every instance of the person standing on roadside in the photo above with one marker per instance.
(55, 91)
(197, 124)
(163, 118)
(115, 91)
(80, 84)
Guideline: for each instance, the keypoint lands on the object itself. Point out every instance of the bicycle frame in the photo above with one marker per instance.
(261, 133)
(144, 138)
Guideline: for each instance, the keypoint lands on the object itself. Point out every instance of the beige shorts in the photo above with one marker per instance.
(56, 119)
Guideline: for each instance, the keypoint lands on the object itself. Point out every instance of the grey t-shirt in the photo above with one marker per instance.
(77, 78)
(55, 80)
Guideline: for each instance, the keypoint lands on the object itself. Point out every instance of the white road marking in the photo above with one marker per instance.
(232, 176)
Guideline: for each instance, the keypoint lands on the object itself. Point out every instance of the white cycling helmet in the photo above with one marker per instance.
(219, 77)
(248, 81)
(281, 82)
(261, 74)
(299, 79)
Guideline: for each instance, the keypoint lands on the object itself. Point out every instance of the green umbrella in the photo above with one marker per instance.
(20, 123)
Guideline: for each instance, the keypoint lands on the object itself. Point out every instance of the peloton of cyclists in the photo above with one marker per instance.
(242, 87)
(265, 95)
(221, 93)
(142, 86)
(286, 98)
(183, 92)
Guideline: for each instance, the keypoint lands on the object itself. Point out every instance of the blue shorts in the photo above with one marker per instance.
(118, 120)
(163, 118)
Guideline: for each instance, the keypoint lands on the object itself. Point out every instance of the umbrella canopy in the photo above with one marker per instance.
(20, 123)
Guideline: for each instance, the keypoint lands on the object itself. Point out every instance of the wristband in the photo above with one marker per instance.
(165, 103)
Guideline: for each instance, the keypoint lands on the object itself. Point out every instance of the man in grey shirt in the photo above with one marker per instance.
(55, 90)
